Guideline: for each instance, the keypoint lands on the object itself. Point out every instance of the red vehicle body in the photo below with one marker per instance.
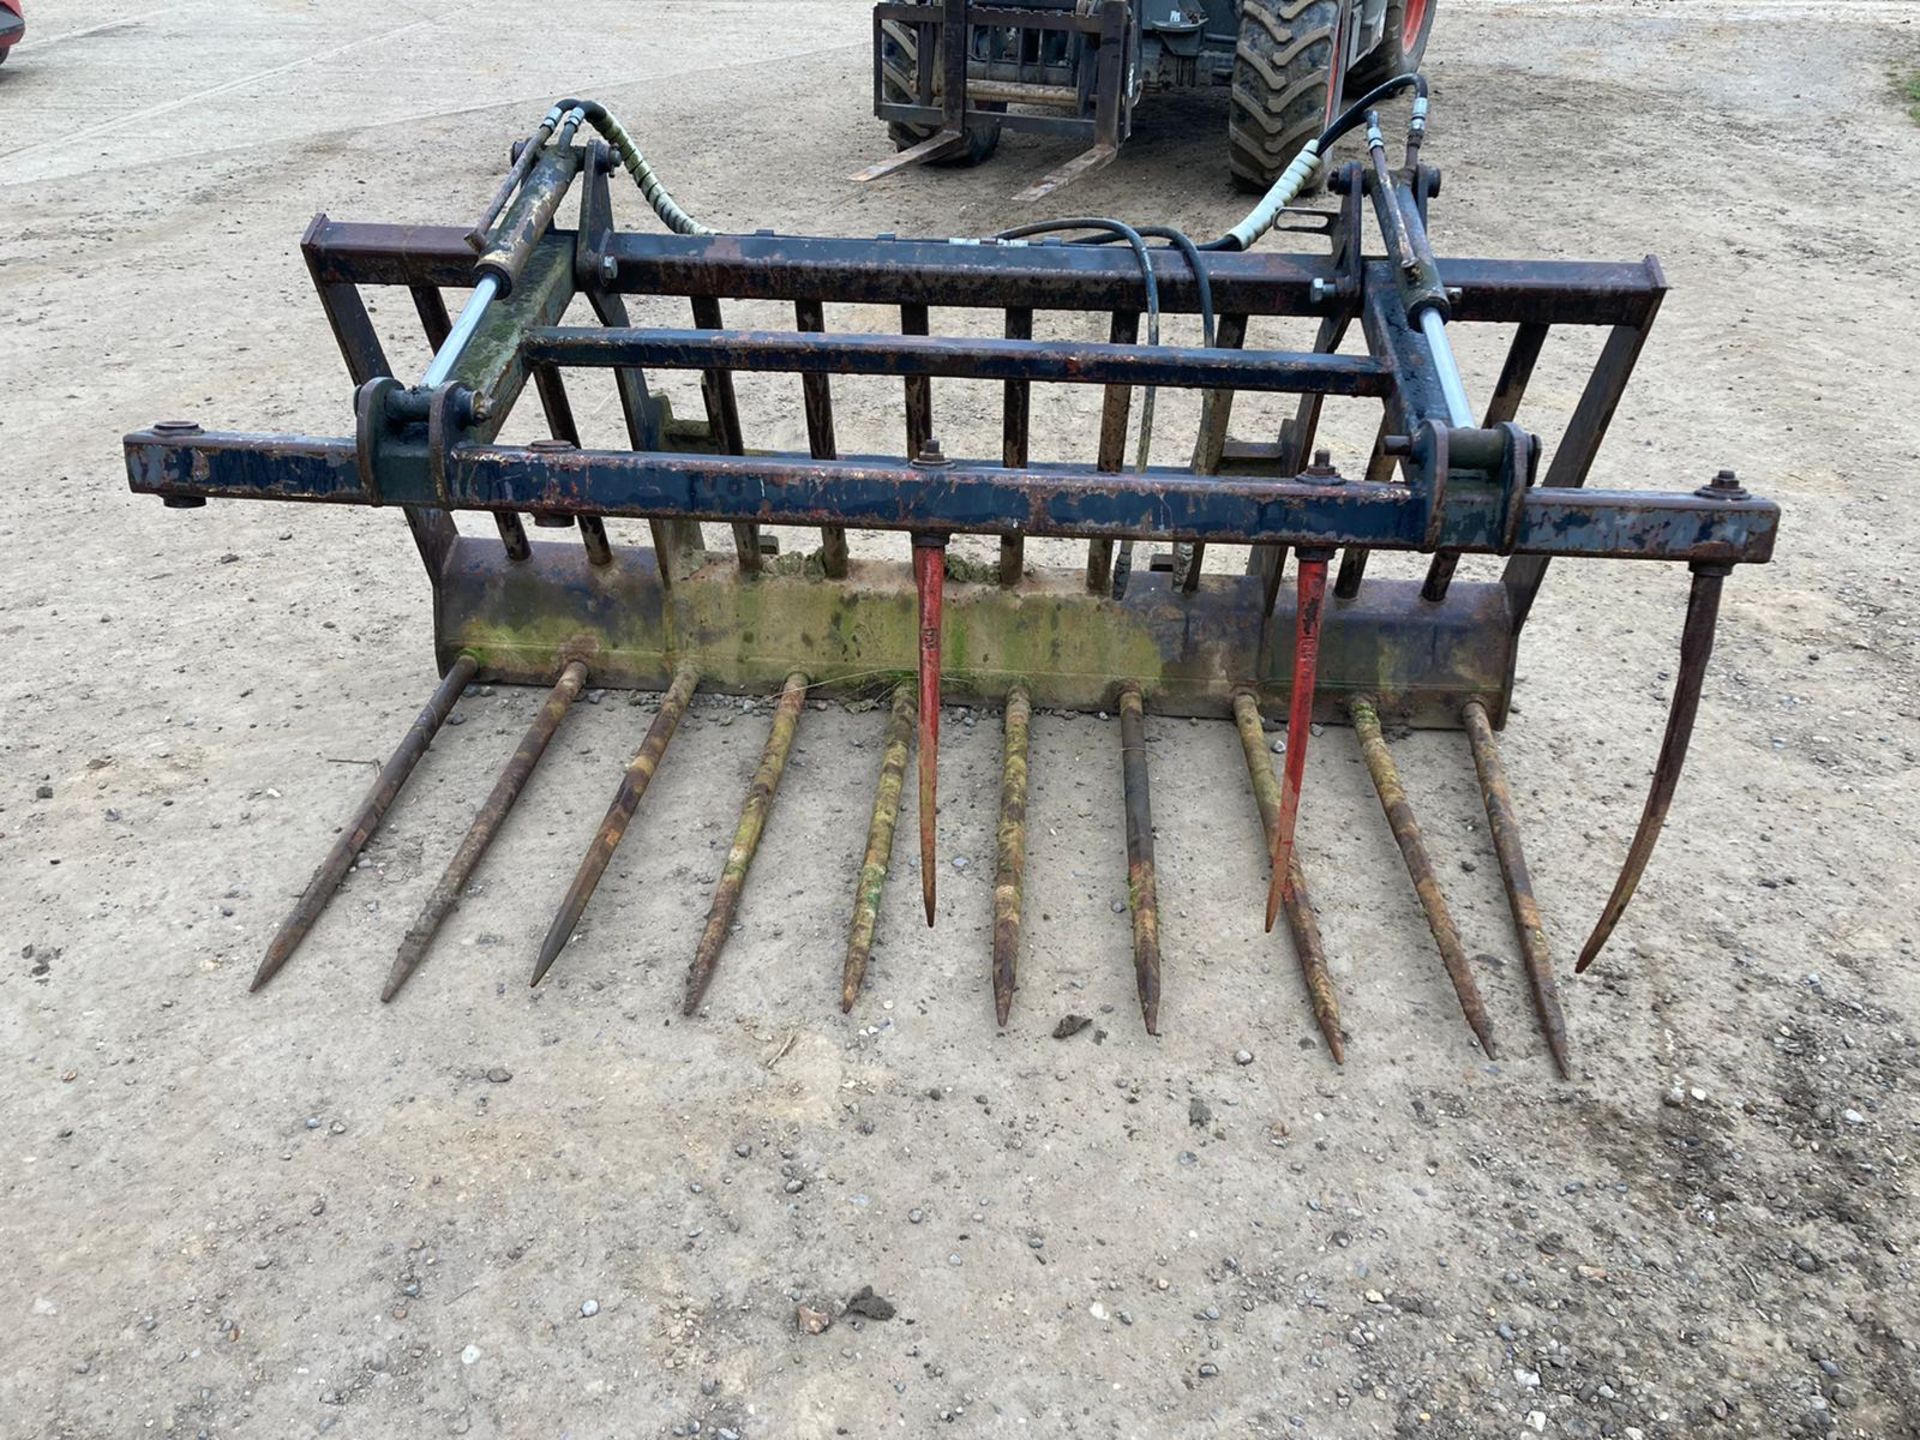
(12, 26)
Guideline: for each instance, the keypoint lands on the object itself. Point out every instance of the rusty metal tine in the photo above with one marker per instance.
(873, 869)
(929, 578)
(1301, 919)
(1009, 875)
(626, 800)
(1413, 850)
(366, 820)
(810, 316)
(1505, 825)
(1696, 648)
(1142, 895)
(919, 388)
(1014, 417)
(506, 790)
(1312, 590)
(723, 419)
(746, 840)
(1115, 404)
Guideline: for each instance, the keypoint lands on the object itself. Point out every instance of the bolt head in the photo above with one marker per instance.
(609, 267)
(1725, 486)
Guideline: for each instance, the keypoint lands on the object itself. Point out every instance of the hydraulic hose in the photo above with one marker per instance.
(608, 124)
(1312, 156)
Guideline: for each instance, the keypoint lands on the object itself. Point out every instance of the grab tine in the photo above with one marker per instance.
(1306, 659)
(1413, 850)
(366, 820)
(873, 870)
(1505, 825)
(1142, 895)
(626, 800)
(513, 778)
(746, 840)
(1298, 909)
(1696, 648)
(929, 578)
(1009, 875)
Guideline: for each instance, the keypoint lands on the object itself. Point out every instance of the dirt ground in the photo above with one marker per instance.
(489, 1212)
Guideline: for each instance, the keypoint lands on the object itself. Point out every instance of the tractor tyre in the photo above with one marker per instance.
(1404, 41)
(898, 49)
(1280, 73)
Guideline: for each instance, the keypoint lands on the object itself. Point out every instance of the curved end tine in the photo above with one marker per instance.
(929, 578)
(1696, 648)
(1306, 660)
(873, 869)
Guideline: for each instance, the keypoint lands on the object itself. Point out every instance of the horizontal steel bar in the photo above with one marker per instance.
(1039, 500)
(975, 273)
(1062, 127)
(1073, 362)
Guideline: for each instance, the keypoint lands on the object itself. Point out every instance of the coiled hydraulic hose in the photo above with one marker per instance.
(1312, 156)
(608, 124)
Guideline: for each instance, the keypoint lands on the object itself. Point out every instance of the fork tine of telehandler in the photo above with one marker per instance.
(493, 814)
(1142, 889)
(1009, 876)
(366, 820)
(746, 840)
(1505, 827)
(929, 578)
(1306, 660)
(626, 800)
(873, 870)
(1413, 850)
(1696, 648)
(1298, 909)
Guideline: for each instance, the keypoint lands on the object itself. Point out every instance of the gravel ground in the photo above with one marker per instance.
(487, 1212)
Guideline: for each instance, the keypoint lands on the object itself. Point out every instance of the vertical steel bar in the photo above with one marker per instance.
(562, 426)
(1301, 919)
(506, 790)
(366, 820)
(431, 306)
(1117, 401)
(1353, 560)
(723, 417)
(1010, 869)
(626, 800)
(1413, 850)
(746, 840)
(1573, 456)
(1209, 444)
(873, 869)
(914, 321)
(1515, 374)
(929, 576)
(677, 544)
(1504, 825)
(1696, 648)
(1142, 895)
(1312, 591)
(1014, 439)
(810, 316)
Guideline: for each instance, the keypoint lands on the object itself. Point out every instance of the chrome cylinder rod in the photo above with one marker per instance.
(448, 355)
(1459, 412)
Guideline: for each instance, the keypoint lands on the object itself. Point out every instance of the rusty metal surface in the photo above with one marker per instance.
(493, 814)
(1311, 599)
(1696, 649)
(1504, 825)
(1143, 899)
(746, 840)
(1010, 865)
(1304, 924)
(1426, 885)
(366, 820)
(930, 579)
(626, 800)
(873, 869)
